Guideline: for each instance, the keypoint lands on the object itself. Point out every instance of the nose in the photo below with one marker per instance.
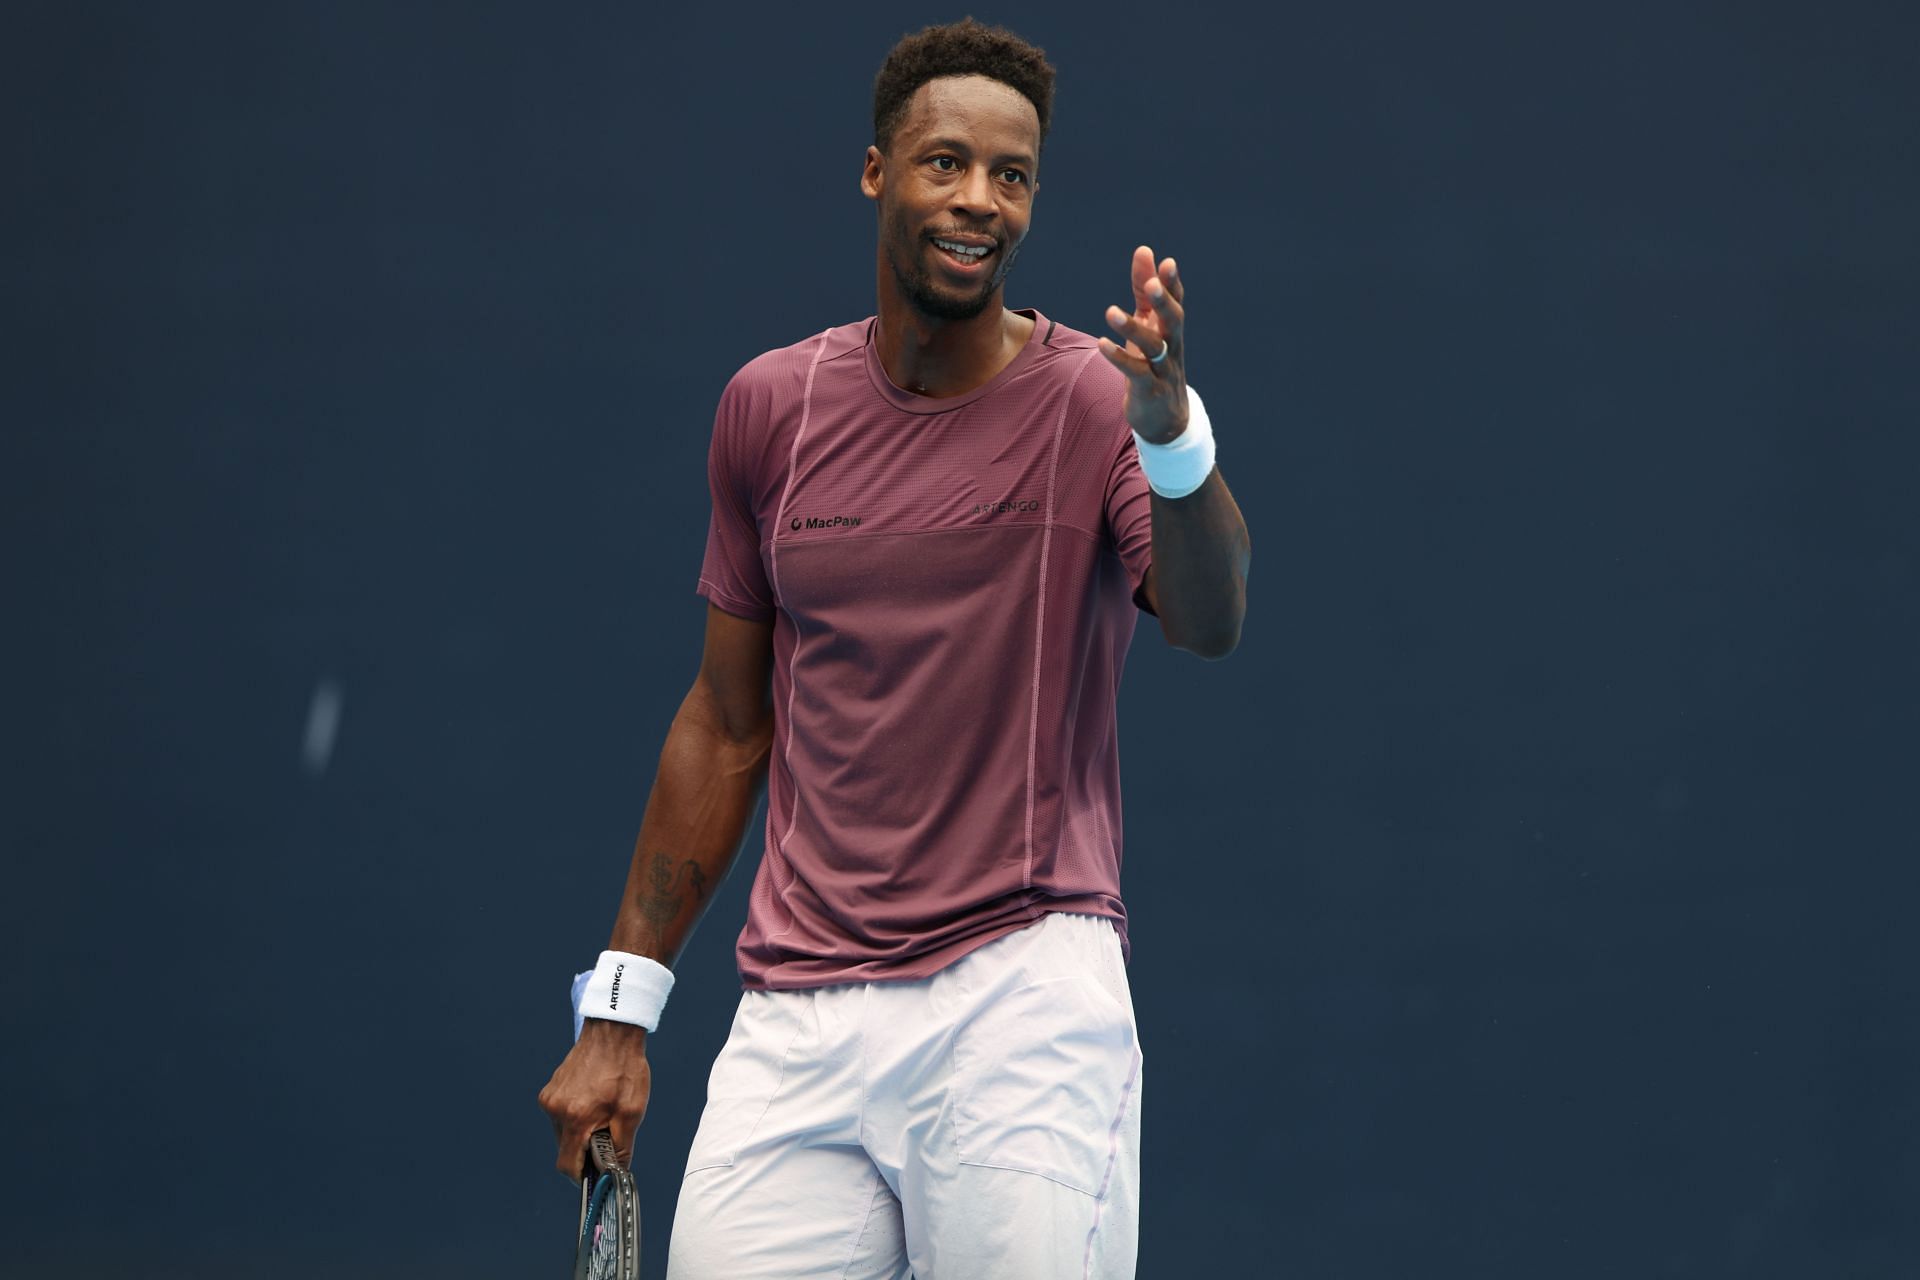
(974, 196)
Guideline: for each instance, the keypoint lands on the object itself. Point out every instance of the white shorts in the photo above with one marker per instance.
(982, 1122)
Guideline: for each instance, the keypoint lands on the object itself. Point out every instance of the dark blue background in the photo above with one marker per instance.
(1528, 896)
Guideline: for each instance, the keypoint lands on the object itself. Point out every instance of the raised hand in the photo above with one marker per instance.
(1156, 403)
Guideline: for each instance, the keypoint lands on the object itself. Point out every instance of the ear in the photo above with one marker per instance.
(873, 173)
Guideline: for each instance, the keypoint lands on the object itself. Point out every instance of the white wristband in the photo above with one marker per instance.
(1178, 467)
(623, 987)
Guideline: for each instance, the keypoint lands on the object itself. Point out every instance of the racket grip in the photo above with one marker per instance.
(600, 1152)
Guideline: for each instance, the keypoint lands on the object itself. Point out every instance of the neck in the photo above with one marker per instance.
(938, 358)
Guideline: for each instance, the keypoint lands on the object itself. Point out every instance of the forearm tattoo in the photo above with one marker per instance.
(667, 883)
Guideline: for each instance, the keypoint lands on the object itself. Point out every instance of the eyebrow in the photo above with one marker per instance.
(954, 144)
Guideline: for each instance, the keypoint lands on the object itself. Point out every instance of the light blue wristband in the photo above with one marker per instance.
(623, 987)
(579, 989)
(1178, 467)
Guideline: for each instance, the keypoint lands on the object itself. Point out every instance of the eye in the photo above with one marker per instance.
(1019, 175)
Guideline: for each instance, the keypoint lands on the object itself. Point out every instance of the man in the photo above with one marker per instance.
(930, 532)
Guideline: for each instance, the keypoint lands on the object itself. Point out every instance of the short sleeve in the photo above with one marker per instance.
(1130, 510)
(732, 574)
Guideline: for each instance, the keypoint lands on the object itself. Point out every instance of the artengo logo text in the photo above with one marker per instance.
(1011, 504)
(826, 522)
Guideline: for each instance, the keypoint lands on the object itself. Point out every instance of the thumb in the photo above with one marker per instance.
(573, 1160)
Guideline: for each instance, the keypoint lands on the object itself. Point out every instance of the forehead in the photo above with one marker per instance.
(972, 105)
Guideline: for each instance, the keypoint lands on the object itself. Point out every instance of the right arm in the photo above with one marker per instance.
(713, 768)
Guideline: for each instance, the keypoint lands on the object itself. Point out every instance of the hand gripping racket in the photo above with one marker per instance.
(608, 1247)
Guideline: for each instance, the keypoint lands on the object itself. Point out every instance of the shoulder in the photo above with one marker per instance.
(780, 365)
(767, 390)
(775, 377)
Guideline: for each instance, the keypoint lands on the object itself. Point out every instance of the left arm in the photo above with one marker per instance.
(1197, 582)
(1201, 548)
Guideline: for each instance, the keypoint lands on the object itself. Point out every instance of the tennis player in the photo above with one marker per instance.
(931, 533)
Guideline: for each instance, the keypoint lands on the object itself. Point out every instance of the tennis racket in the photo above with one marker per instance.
(608, 1247)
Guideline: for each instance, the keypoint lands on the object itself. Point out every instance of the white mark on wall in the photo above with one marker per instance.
(323, 727)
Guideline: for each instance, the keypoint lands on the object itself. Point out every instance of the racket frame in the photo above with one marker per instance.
(606, 1183)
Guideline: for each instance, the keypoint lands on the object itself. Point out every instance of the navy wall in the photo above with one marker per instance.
(1528, 895)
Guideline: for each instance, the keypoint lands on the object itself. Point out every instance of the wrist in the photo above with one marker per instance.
(622, 987)
(624, 1033)
(1180, 465)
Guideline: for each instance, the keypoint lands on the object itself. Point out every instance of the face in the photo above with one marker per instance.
(962, 164)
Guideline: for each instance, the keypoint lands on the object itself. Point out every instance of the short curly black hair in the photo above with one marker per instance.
(959, 48)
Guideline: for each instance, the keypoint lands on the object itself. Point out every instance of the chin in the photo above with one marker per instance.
(943, 306)
(931, 299)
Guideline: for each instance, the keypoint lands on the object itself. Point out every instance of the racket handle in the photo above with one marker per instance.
(600, 1151)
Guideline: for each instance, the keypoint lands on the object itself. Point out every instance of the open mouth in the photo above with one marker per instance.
(963, 259)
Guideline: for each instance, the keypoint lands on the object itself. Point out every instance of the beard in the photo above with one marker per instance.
(938, 299)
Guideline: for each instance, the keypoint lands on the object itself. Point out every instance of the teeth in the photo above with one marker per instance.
(971, 252)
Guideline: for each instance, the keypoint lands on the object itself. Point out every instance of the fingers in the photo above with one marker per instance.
(1165, 303)
(629, 1109)
(1159, 318)
(1141, 269)
(572, 1162)
(1130, 359)
(1170, 278)
(574, 1117)
(1145, 273)
(1148, 337)
(573, 1140)
(1133, 329)
(580, 1099)
(571, 1129)
(622, 1127)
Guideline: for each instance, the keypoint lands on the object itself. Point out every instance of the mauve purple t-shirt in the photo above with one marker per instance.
(953, 584)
